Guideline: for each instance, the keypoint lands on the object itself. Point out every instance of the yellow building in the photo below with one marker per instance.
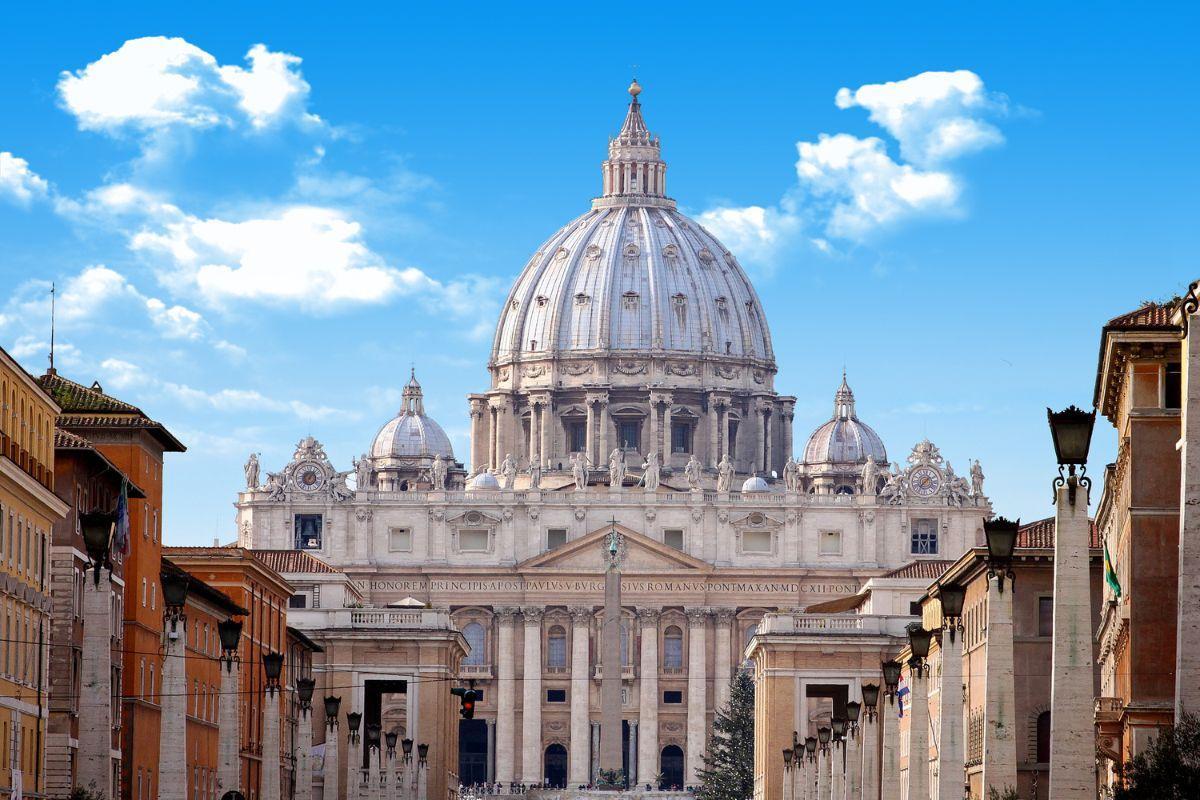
(28, 510)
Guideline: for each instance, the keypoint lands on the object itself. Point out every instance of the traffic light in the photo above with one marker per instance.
(467, 698)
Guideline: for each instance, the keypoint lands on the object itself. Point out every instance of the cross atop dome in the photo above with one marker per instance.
(634, 173)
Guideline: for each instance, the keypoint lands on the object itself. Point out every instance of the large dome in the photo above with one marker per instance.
(632, 274)
(411, 434)
(845, 439)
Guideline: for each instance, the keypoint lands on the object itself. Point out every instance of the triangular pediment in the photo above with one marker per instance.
(588, 554)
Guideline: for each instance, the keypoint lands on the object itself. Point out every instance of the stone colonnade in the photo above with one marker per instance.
(641, 710)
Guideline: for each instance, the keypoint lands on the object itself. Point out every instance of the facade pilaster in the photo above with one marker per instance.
(1072, 710)
(723, 657)
(94, 760)
(595, 776)
(697, 720)
(667, 434)
(951, 756)
(647, 756)
(1187, 629)
(577, 765)
(531, 706)
(999, 715)
(172, 749)
(655, 443)
(506, 705)
(918, 736)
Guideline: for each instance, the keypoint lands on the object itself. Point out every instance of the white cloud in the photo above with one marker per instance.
(156, 82)
(18, 182)
(849, 187)
(176, 322)
(935, 116)
(122, 374)
(237, 400)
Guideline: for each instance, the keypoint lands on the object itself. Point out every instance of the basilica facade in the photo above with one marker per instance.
(632, 385)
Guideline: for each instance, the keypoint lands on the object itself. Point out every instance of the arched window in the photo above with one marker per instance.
(753, 629)
(673, 648)
(476, 638)
(556, 651)
(844, 489)
(1043, 737)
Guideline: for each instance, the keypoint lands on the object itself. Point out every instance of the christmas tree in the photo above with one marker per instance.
(728, 772)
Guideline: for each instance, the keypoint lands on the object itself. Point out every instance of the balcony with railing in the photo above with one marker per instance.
(370, 618)
(475, 671)
(628, 672)
(839, 624)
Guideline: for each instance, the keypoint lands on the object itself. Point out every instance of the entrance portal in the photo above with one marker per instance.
(671, 767)
(556, 766)
(472, 751)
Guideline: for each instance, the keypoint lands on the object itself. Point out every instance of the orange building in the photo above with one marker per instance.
(28, 511)
(136, 445)
(254, 586)
(206, 608)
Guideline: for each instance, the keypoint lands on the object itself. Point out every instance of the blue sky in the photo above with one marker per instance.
(258, 220)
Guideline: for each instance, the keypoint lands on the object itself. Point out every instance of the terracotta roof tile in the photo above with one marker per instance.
(294, 562)
(926, 570)
(1149, 315)
(1040, 534)
(74, 397)
(65, 440)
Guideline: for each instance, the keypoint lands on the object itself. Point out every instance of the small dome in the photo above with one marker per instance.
(845, 439)
(412, 434)
(484, 481)
(755, 484)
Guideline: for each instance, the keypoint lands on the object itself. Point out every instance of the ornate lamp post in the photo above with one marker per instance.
(824, 762)
(175, 592)
(333, 705)
(853, 750)
(406, 748)
(353, 719)
(951, 596)
(272, 669)
(837, 757)
(172, 749)
(96, 528)
(891, 679)
(373, 736)
(870, 700)
(422, 754)
(950, 752)
(1071, 703)
(870, 740)
(788, 753)
(304, 693)
(390, 740)
(823, 736)
(1001, 536)
(302, 765)
(918, 723)
(918, 643)
(230, 633)
(229, 769)
(94, 758)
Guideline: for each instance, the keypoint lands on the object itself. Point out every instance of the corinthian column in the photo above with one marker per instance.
(172, 747)
(648, 697)
(697, 714)
(714, 418)
(531, 707)
(547, 450)
(506, 705)
(723, 658)
(577, 768)
(589, 444)
(999, 718)
(950, 719)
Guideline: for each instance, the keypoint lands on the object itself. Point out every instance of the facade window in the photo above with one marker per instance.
(733, 429)
(681, 437)
(673, 537)
(556, 695)
(476, 638)
(629, 433)
(924, 537)
(298, 601)
(1045, 616)
(1172, 385)
(672, 697)
(308, 531)
(400, 540)
(1043, 737)
(556, 647)
(756, 542)
(830, 543)
(472, 540)
(577, 436)
(556, 537)
(673, 648)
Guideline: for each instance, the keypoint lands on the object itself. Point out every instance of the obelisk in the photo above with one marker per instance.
(610, 661)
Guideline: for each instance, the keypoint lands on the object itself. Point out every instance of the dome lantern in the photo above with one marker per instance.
(844, 439)
(634, 172)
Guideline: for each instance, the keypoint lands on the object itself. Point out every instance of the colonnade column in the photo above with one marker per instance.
(918, 735)
(999, 715)
(172, 748)
(589, 444)
(547, 430)
(665, 453)
(1187, 627)
(631, 754)
(506, 686)
(478, 436)
(768, 442)
(533, 429)
(531, 707)
(605, 428)
(824, 767)
(577, 768)
(648, 697)
(654, 443)
(330, 767)
(269, 785)
(837, 777)
(493, 437)
(303, 774)
(868, 730)
(723, 658)
(95, 711)
(950, 718)
(854, 765)
(714, 422)
(889, 781)
(697, 720)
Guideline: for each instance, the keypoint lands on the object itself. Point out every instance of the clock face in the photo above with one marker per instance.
(924, 481)
(309, 477)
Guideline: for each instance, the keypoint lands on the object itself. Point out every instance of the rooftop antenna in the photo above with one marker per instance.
(52, 294)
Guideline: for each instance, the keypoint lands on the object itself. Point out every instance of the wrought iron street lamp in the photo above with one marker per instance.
(304, 693)
(332, 705)
(853, 711)
(952, 596)
(1071, 430)
(372, 736)
(823, 735)
(918, 644)
(230, 633)
(787, 759)
(273, 667)
(406, 748)
(353, 720)
(175, 592)
(96, 528)
(422, 753)
(390, 739)
(870, 701)
(839, 728)
(1001, 536)
(810, 747)
(891, 679)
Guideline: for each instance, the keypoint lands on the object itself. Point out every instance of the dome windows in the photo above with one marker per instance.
(582, 299)
(630, 301)
(706, 257)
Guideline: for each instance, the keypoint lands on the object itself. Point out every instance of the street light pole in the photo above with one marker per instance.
(999, 714)
(951, 758)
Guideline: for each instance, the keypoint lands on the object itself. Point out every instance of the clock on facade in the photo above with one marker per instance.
(924, 481)
(309, 477)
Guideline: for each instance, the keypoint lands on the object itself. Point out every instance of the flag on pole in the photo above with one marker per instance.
(1110, 573)
(901, 693)
(121, 533)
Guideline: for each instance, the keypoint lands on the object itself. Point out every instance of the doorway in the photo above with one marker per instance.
(671, 766)
(556, 766)
(472, 751)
